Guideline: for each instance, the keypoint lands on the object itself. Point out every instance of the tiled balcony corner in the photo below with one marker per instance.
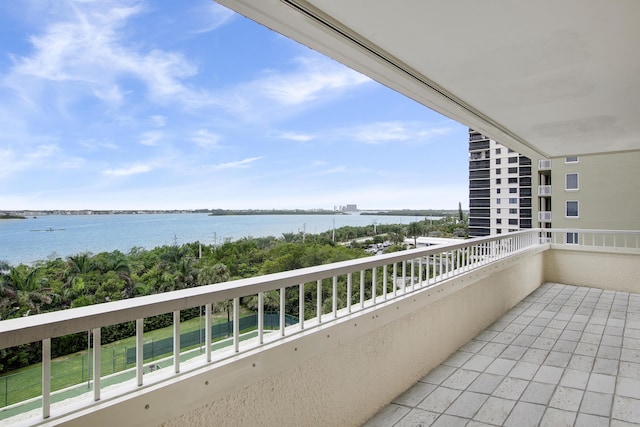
(564, 356)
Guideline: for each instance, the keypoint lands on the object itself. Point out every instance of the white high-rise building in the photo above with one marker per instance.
(500, 188)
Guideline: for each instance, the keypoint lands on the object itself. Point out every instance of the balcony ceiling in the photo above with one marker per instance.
(547, 78)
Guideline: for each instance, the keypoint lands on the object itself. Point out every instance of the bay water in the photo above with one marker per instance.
(51, 236)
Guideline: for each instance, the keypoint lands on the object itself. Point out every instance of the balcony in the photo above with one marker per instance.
(544, 190)
(544, 164)
(366, 347)
(544, 216)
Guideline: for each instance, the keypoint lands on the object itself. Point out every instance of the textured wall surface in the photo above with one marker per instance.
(599, 269)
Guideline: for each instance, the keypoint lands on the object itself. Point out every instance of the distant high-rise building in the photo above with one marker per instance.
(500, 188)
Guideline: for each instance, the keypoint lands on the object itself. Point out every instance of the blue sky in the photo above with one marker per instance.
(123, 104)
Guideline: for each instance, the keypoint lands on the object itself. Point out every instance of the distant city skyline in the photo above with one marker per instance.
(140, 105)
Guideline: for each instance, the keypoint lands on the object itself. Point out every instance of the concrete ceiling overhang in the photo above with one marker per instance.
(548, 78)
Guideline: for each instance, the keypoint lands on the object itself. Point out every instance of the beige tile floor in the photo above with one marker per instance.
(564, 356)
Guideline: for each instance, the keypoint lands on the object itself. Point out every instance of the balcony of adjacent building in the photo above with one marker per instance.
(544, 191)
(544, 165)
(450, 333)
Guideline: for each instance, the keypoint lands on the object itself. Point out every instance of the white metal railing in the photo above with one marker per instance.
(615, 239)
(352, 286)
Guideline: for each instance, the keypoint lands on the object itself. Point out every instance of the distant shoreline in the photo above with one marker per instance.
(224, 212)
(24, 214)
(10, 216)
(409, 212)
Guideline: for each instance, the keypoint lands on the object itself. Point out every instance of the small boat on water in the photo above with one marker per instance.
(50, 229)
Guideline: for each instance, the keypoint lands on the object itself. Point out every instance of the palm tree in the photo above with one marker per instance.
(119, 263)
(25, 288)
(414, 230)
(216, 273)
(210, 274)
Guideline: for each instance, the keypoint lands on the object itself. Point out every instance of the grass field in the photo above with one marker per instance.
(26, 383)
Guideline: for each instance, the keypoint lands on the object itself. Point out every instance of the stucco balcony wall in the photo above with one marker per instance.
(606, 268)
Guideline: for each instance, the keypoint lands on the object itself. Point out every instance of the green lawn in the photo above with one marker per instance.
(69, 370)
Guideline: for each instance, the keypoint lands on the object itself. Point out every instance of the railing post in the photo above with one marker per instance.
(139, 350)
(374, 284)
(301, 305)
(334, 296)
(261, 317)
(404, 277)
(97, 349)
(236, 324)
(361, 288)
(384, 282)
(412, 280)
(207, 332)
(46, 378)
(176, 341)
(283, 294)
(349, 291)
(395, 279)
(319, 300)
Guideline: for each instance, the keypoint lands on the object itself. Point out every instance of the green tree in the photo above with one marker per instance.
(414, 230)
(212, 274)
(25, 287)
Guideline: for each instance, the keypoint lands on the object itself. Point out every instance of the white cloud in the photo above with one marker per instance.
(40, 157)
(211, 16)
(281, 93)
(239, 164)
(315, 78)
(297, 136)
(378, 133)
(129, 170)
(206, 139)
(332, 171)
(151, 138)
(88, 49)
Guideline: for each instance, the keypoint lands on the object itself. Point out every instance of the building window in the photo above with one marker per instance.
(513, 190)
(513, 160)
(513, 221)
(498, 210)
(572, 238)
(572, 208)
(513, 210)
(514, 200)
(498, 201)
(513, 170)
(571, 159)
(498, 181)
(499, 221)
(513, 180)
(498, 231)
(571, 181)
(498, 161)
(498, 150)
(498, 171)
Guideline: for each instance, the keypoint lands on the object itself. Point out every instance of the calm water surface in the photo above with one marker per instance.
(33, 239)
